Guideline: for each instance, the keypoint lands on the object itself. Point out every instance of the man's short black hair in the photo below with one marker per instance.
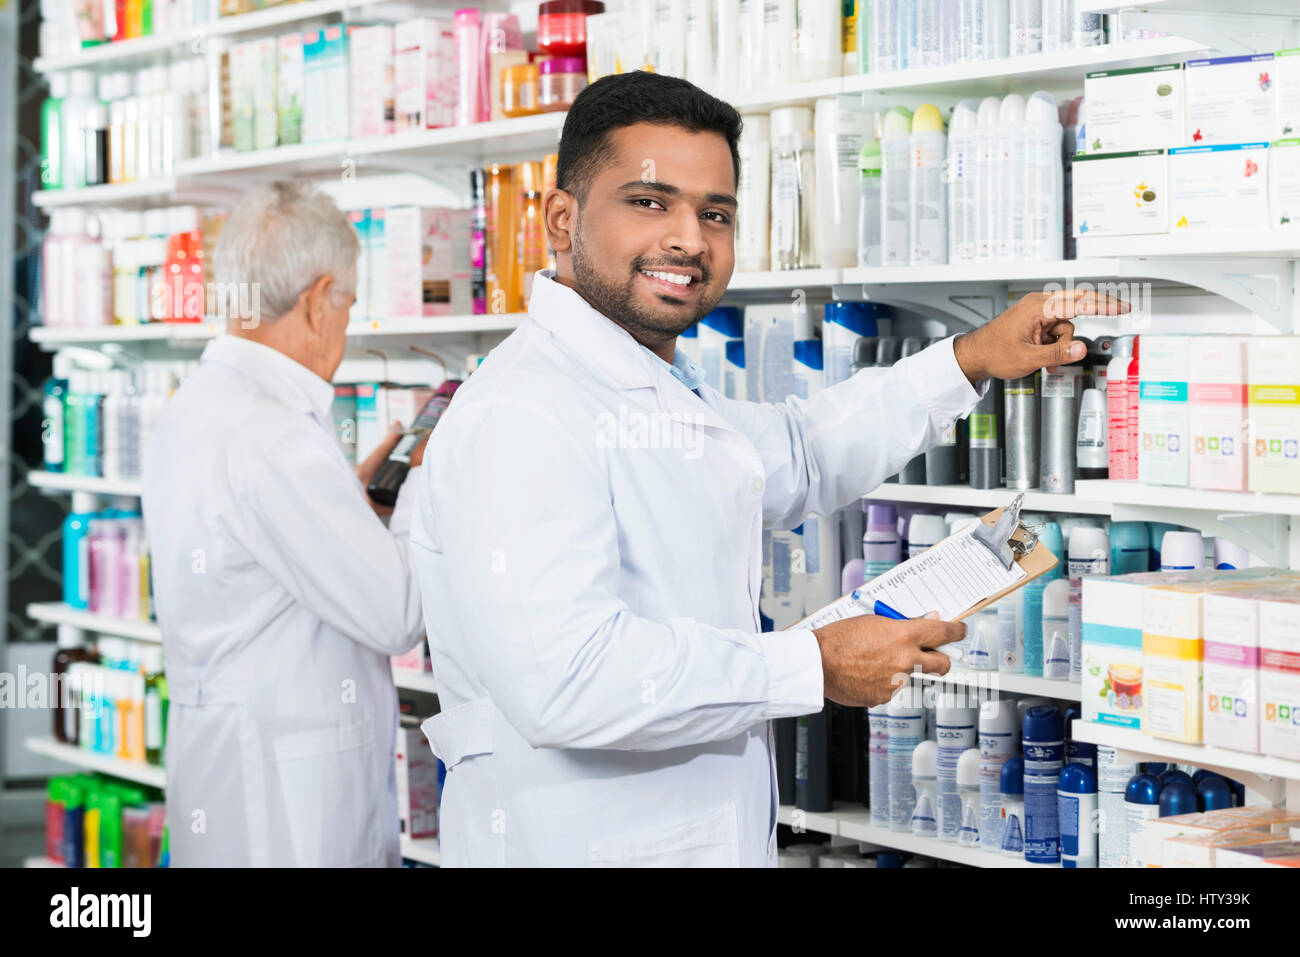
(623, 99)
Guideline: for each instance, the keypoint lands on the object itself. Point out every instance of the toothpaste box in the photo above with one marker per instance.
(427, 253)
(1231, 670)
(1279, 675)
(1219, 187)
(1197, 824)
(1284, 183)
(1273, 377)
(1199, 850)
(1286, 85)
(1216, 396)
(288, 99)
(1121, 194)
(424, 72)
(1163, 423)
(372, 80)
(1278, 853)
(1134, 109)
(1230, 100)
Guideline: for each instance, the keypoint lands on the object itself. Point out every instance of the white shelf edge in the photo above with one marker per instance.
(57, 613)
(964, 495)
(1201, 755)
(41, 861)
(59, 481)
(1209, 243)
(854, 823)
(1122, 492)
(983, 272)
(127, 770)
(999, 682)
(412, 680)
(108, 194)
(422, 849)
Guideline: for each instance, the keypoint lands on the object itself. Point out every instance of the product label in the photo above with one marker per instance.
(968, 835)
(1058, 385)
(923, 817)
(1012, 842)
(983, 430)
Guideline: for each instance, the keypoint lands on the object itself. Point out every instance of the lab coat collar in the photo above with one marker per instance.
(286, 379)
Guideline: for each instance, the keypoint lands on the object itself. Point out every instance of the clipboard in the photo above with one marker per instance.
(999, 538)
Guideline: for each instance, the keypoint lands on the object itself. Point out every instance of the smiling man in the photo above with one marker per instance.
(591, 599)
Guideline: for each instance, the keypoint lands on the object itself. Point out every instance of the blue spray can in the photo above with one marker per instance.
(1043, 741)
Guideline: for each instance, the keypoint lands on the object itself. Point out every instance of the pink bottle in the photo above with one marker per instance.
(469, 55)
(106, 567)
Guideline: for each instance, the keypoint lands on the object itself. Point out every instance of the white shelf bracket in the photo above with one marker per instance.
(949, 303)
(1264, 286)
(1226, 33)
(1267, 536)
(1271, 789)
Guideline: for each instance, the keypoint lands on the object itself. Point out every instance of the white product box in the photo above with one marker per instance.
(1112, 648)
(1219, 187)
(424, 72)
(241, 95)
(1280, 853)
(1201, 850)
(288, 100)
(427, 254)
(377, 265)
(1230, 100)
(1134, 109)
(1216, 396)
(1121, 194)
(1161, 830)
(371, 50)
(417, 784)
(1284, 183)
(325, 84)
(1286, 82)
(264, 59)
(1273, 375)
(313, 80)
(360, 220)
(1231, 670)
(1171, 661)
(1163, 373)
(1279, 676)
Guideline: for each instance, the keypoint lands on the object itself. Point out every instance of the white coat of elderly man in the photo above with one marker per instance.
(280, 593)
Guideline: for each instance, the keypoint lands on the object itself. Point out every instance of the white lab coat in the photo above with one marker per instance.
(592, 603)
(280, 596)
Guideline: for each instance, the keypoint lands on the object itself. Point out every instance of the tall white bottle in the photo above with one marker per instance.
(1042, 181)
(794, 190)
(986, 169)
(820, 53)
(1008, 200)
(895, 142)
(927, 213)
(753, 193)
(963, 182)
(840, 133)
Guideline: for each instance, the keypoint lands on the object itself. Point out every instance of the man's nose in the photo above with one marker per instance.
(684, 236)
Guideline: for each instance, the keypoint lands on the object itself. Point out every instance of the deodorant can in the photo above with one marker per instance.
(1062, 394)
(1044, 750)
(1020, 401)
(985, 441)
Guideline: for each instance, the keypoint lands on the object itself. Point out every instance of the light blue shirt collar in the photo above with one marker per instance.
(685, 371)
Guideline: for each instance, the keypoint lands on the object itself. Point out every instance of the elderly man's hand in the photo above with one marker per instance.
(1035, 333)
(366, 470)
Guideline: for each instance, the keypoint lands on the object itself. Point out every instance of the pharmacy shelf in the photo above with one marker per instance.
(1063, 69)
(158, 191)
(413, 680)
(1225, 8)
(57, 613)
(783, 279)
(422, 849)
(985, 272)
(58, 481)
(436, 325)
(1119, 492)
(965, 496)
(55, 336)
(1207, 243)
(995, 682)
(537, 135)
(41, 861)
(71, 754)
(854, 823)
(1268, 775)
(148, 49)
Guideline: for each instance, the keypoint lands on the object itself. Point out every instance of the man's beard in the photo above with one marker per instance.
(619, 302)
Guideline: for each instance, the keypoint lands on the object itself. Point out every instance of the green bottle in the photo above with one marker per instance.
(156, 702)
(52, 146)
(110, 829)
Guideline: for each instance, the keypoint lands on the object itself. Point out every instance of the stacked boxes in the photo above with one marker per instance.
(1273, 375)
(427, 258)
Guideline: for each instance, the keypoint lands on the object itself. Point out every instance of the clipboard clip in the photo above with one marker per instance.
(1008, 540)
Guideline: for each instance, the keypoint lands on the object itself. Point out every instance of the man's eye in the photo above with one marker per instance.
(642, 201)
(721, 218)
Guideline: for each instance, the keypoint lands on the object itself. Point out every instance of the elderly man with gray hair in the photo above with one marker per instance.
(279, 592)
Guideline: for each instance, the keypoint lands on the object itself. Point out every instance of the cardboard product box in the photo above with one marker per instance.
(1121, 194)
(1112, 648)
(360, 220)
(417, 784)
(424, 71)
(314, 109)
(1219, 187)
(1199, 850)
(1231, 670)
(333, 101)
(1230, 100)
(1217, 412)
(377, 265)
(1286, 86)
(370, 50)
(264, 65)
(372, 418)
(1281, 853)
(427, 254)
(289, 93)
(1172, 651)
(242, 94)
(1134, 109)
(1284, 183)
(1279, 675)
(1197, 824)
(1163, 423)
(1273, 376)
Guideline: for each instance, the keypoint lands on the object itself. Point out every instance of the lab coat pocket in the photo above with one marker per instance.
(709, 841)
(333, 795)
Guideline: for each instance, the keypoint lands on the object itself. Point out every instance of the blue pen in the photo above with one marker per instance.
(884, 611)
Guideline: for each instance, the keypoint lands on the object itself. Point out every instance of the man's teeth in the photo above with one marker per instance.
(669, 277)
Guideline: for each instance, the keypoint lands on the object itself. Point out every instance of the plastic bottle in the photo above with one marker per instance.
(1056, 630)
(878, 765)
(1043, 741)
(968, 793)
(1089, 554)
(1091, 453)
(812, 765)
(1062, 392)
(76, 551)
(924, 813)
(1177, 797)
(985, 439)
(999, 740)
(1020, 402)
(794, 192)
(1229, 555)
(52, 145)
(886, 53)
(52, 415)
(870, 206)
(1050, 535)
(1117, 386)
(1213, 794)
(840, 133)
(73, 821)
(1011, 633)
(1076, 796)
(1141, 803)
(1182, 551)
(982, 644)
(987, 170)
(924, 531)
(1112, 780)
(906, 726)
(843, 323)
(74, 111)
(927, 213)
(881, 547)
(895, 185)
(1131, 395)
(1129, 547)
(71, 651)
(962, 181)
(1011, 791)
(1008, 195)
(955, 734)
(1026, 31)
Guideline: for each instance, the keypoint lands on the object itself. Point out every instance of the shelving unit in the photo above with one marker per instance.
(993, 683)
(422, 849)
(413, 680)
(854, 823)
(79, 757)
(963, 496)
(57, 613)
(61, 482)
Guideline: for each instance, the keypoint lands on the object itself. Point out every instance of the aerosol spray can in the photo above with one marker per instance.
(1020, 400)
(1062, 393)
(986, 439)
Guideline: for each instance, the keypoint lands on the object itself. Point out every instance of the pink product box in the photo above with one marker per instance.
(424, 74)
(428, 269)
(417, 784)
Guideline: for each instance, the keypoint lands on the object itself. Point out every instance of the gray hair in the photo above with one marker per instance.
(281, 238)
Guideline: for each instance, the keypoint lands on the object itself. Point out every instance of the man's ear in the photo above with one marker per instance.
(559, 213)
(316, 303)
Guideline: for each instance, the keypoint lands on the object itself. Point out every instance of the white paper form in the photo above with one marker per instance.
(949, 578)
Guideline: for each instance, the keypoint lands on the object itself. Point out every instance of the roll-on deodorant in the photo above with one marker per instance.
(1076, 812)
